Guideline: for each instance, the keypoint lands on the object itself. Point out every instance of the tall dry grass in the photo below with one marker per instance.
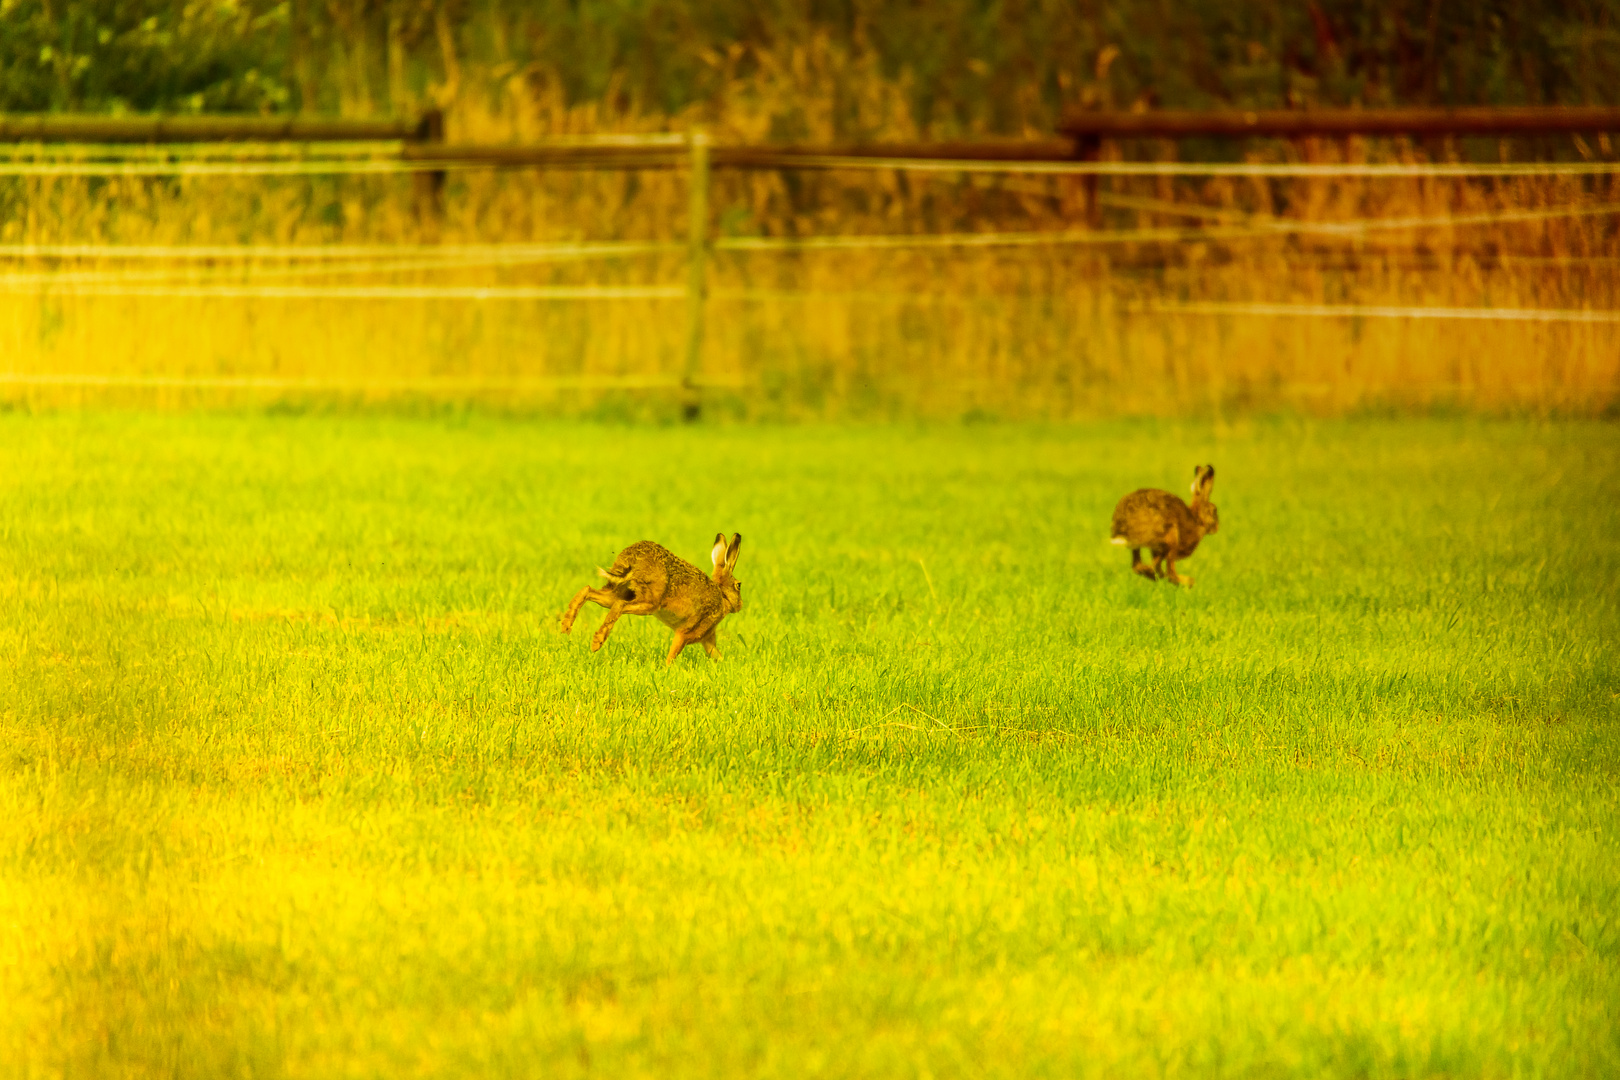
(1056, 331)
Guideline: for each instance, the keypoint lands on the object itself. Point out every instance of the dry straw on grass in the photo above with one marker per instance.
(1019, 330)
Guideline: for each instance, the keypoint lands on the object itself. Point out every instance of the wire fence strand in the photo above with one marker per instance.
(1376, 311)
(446, 163)
(358, 259)
(1181, 168)
(360, 292)
(294, 252)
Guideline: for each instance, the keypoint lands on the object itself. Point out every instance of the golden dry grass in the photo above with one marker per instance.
(1056, 331)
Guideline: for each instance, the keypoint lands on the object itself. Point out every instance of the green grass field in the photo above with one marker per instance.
(299, 778)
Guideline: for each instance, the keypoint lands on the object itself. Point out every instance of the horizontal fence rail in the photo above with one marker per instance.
(1200, 168)
(374, 292)
(605, 293)
(439, 254)
(1384, 311)
(762, 156)
(1233, 123)
(474, 157)
(1279, 123)
(376, 258)
(189, 129)
(256, 382)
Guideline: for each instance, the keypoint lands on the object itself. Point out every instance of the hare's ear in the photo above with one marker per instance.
(718, 554)
(1203, 479)
(733, 551)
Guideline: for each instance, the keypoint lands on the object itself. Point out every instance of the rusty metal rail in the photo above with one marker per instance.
(1305, 123)
(428, 129)
(667, 156)
(51, 128)
(1078, 138)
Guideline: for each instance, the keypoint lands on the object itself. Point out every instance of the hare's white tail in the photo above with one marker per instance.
(1120, 540)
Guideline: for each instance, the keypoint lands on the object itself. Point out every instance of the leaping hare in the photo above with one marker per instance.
(1166, 526)
(649, 579)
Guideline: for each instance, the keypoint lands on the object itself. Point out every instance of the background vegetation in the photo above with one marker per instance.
(1054, 331)
(961, 65)
(1045, 330)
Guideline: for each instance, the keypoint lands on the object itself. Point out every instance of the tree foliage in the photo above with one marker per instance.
(962, 65)
(122, 55)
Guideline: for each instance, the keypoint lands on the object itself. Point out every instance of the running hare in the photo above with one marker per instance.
(649, 579)
(1165, 525)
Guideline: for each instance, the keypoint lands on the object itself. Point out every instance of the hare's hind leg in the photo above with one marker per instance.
(619, 606)
(1161, 552)
(1138, 565)
(600, 596)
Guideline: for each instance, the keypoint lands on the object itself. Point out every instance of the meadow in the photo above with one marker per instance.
(300, 779)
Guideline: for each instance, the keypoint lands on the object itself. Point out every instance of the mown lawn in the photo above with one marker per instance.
(297, 777)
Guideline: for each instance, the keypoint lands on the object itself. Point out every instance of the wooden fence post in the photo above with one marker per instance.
(697, 281)
(429, 184)
(1089, 148)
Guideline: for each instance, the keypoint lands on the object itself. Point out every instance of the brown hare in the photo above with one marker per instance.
(1165, 525)
(649, 579)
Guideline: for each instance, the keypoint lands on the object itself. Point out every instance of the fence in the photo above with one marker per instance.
(95, 147)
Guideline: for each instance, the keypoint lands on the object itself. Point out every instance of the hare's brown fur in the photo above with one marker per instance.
(1166, 526)
(649, 579)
